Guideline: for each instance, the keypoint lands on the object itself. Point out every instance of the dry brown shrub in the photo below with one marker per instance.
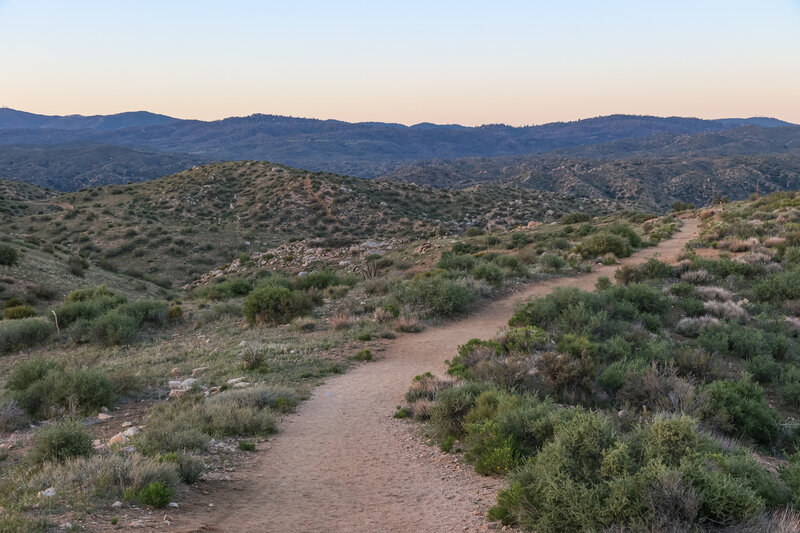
(382, 316)
(407, 325)
(341, 321)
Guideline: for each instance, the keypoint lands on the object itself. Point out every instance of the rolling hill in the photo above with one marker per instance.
(174, 228)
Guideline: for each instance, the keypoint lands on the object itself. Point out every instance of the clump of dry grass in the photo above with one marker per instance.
(341, 321)
(422, 409)
(716, 293)
(729, 310)
(382, 316)
(425, 386)
(774, 242)
(695, 276)
(757, 257)
(304, 324)
(691, 326)
(407, 325)
(738, 245)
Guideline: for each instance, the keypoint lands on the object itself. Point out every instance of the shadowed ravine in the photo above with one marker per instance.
(342, 464)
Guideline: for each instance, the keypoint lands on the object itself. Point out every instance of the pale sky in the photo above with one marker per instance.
(407, 61)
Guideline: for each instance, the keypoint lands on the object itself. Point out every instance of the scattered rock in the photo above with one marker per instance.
(234, 381)
(129, 449)
(46, 493)
(187, 383)
(241, 385)
(103, 416)
(65, 525)
(131, 431)
(173, 505)
(344, 263)
(116, 504)
(302, 274)
(174, 384)
(199, 369)
(136, 523)
(167, 519)
(104, 409)
(175, 371)
(423, 248)
(176, 393)
(119, 438)
(127, 424)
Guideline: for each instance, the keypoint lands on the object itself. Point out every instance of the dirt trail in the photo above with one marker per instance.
(342, 464)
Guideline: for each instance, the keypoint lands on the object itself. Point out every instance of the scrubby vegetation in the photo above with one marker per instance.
(648, 404)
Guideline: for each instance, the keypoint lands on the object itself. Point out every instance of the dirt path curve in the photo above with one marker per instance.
(342, 464)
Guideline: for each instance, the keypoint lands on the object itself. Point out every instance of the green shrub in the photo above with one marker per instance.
(362, 355)
(489, 273)
(575, 218)
(455, 262)
(452, 405)
(551, 262)
(317, 280)
(628, 233)
(41, 387)
(434, 296)
(24, 333)
(744, 403)
(60, 441)
(778, 287)
(8, 254)
(72, 311)
(513, 264)
(110, 329)
(93, 293)
(19, 311)
(275, 305)
(156, 494)
(605, 242)
(145, 312)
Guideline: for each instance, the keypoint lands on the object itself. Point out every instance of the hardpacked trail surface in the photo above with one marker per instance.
(342, 464)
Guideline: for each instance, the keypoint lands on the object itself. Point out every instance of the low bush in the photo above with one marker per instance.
(41, 388)
(275, 305)
(8, 255)
(575, 218)
(456, 262)
(60, 441)
(433, 296)
(24, 333)
(604, 242)
(317, 280)
(156, 494)
(745, 406)
(489, 273)
(18, 311)
(551, 262)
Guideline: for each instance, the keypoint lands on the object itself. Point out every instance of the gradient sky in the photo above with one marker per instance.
(405, 61)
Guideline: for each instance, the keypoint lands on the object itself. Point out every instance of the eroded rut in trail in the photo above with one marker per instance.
(342, 464)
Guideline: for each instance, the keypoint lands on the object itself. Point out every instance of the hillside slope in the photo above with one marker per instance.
(73, 166)
(652, 182)
(179, 226)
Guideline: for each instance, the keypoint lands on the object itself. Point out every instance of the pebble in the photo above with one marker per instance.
(127, 424)
(116, 504)
(173, 505)
(137, 523)
(103, 416)
(46, 493)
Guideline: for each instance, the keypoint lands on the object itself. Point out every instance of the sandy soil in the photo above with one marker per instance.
(342, 464)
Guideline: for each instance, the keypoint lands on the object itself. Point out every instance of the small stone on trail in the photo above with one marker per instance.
(103, 416)
(127, 424)
(173, 505)
(104, 409)
(116, 504)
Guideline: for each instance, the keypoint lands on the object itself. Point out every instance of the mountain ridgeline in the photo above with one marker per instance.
(33, 147)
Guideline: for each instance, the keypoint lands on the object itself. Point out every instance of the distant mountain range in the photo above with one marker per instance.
(653, 171)
(75, 151)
